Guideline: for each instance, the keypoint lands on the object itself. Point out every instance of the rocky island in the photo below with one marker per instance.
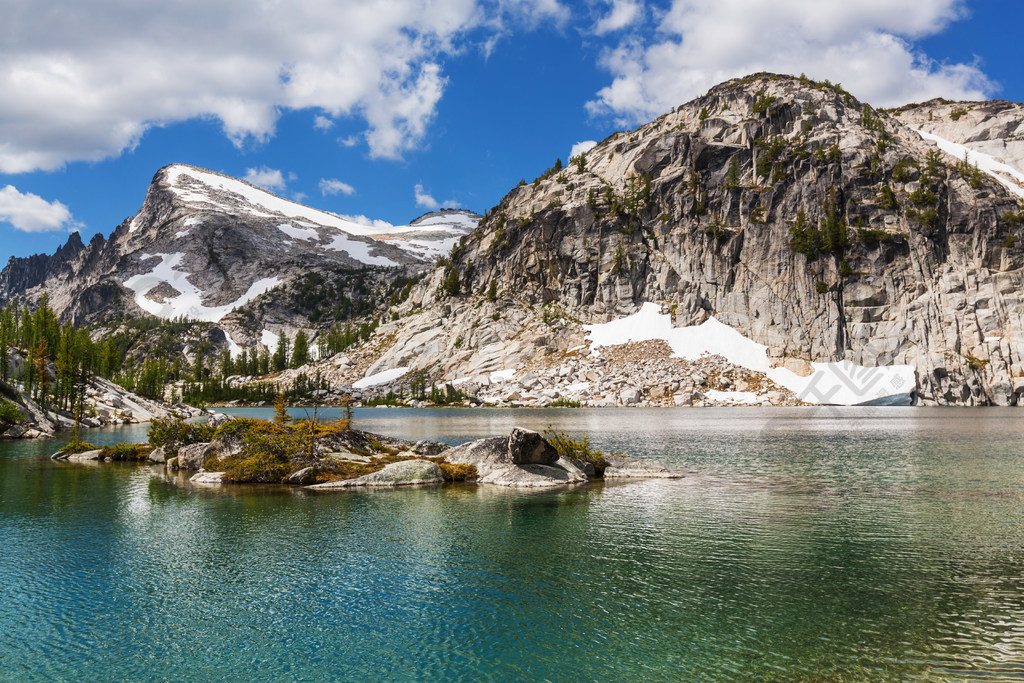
(328, 457)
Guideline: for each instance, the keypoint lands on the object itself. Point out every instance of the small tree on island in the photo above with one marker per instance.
(280, 412)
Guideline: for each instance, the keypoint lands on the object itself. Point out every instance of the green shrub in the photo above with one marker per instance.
(78, 446)
(265, 459)
(922, 197)
(929, 217)
(763, 104)
(572, 449)
(9, 414)
(127, 452)
(904, 170)
(873, 237)
(887, 198)
(172, 433)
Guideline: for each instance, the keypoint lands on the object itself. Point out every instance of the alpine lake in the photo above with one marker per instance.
(805, 544)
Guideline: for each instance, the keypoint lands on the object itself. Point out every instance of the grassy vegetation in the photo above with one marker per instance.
(455, 472)
(562, 402)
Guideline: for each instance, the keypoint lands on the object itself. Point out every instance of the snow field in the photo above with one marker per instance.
(841, 383)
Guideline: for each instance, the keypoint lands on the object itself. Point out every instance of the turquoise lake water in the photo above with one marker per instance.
(806, 544)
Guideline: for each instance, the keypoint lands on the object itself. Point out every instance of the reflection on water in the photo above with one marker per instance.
(806, 544)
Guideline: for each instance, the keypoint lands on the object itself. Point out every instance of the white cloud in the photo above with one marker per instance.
(267, 178)
(31, 213)
(85, 81)
(863, 45)
(623, 13)
(424, 200)
(335, 186)
(582, 147)
(360, 219)
(322, 123)
(350, 141)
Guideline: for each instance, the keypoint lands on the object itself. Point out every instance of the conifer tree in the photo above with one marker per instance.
(280, 412)
(282, 352)
(300, 350)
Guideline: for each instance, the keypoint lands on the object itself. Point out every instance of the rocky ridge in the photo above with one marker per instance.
(796, 215)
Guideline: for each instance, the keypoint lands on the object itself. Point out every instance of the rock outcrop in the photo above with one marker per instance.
(403, 473)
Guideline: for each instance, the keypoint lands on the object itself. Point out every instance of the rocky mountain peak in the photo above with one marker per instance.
(204, 244)
(783, 208)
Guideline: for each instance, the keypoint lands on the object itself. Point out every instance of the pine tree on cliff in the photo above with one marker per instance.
(300, 350)
(282, 352)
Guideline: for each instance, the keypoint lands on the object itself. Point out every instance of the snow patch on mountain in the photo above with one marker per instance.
(360, 251)
(309, 234)
(380, 378)
(841, 383)
(1010, 177)
(189, 300)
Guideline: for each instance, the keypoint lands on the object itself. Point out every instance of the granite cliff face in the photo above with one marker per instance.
(204, 245)
(787, 210)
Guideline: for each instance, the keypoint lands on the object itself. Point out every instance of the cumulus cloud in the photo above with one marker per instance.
(335, 186)
(85, 81)
(424, 199)
(863, 45)
(582, 147)
(322, 123)
(622, 14)
(267, 178)
(31, 213)
(360, 219)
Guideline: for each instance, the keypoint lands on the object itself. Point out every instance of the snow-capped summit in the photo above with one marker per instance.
(204, 244)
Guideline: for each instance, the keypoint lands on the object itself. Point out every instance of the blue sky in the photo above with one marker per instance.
(389, 108)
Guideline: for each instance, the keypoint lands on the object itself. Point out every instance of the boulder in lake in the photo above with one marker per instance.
(494, 464)
(425, 447)
(193, 456)
(402, 473)
(301, 477)
(86, 456)
(207, 478)
(527, 447)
